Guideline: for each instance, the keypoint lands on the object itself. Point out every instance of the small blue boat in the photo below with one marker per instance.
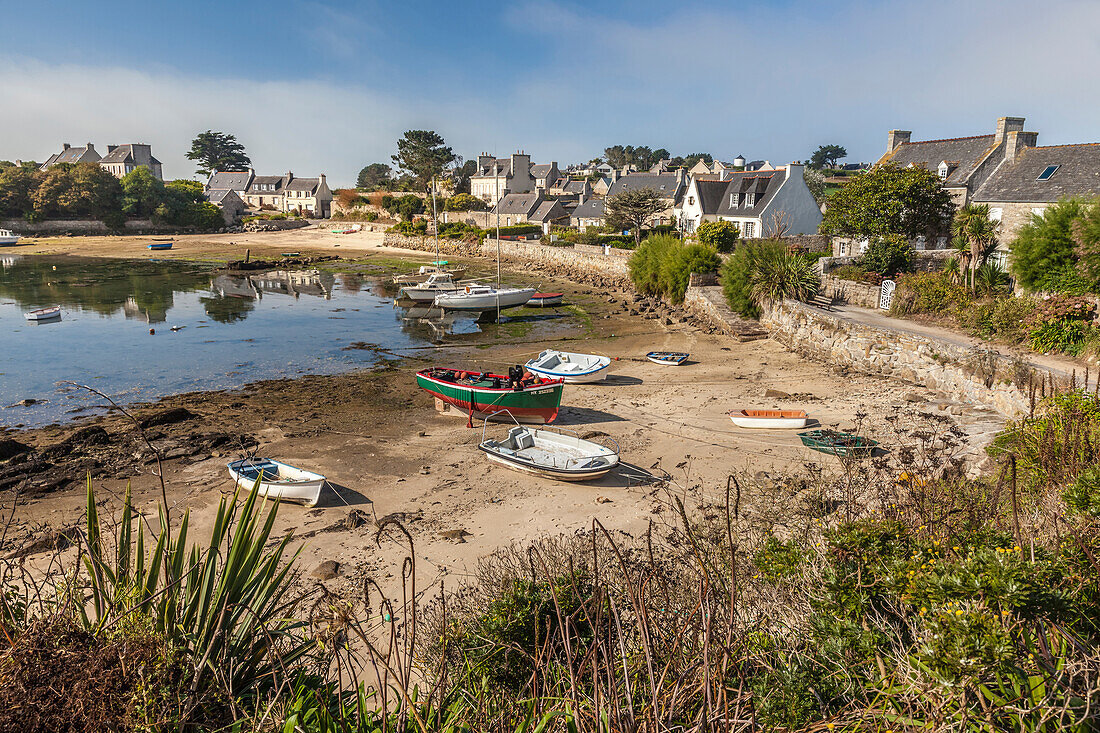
(160, 245)
(667, 358)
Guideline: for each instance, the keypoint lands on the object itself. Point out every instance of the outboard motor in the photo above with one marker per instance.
(515, 378)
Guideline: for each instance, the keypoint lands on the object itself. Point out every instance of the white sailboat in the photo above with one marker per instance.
(425, 292)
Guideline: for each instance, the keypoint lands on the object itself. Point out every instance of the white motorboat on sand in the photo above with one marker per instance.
(7, 236)
(573, 368)
(551, 453)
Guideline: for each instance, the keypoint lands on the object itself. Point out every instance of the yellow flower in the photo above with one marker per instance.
(923, 610)
(959, 612)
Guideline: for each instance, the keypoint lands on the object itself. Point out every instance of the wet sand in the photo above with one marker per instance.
(387, 452)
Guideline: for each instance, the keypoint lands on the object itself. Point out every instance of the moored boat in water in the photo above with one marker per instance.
(573, 368)
(43, 314)
(425, 292)
(526, 397)
(277, 480)
(770, 419)
(482, 298)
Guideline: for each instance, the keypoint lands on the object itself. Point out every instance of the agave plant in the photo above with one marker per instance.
(991, 279)
(226, 603)
(778, 274)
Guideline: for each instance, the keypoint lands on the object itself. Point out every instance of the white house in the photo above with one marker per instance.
(756, 201)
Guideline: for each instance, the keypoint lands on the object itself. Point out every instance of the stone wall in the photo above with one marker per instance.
(808, 242)
(961, 373)
(865, 295)
(81, 227)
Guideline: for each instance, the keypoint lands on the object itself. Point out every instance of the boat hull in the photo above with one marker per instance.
(43, 314)
(768, 420)
(461, 301)
(536, 404)
(596, 370)
(546, 472)
(8, 240)
(424, 295)
(842, 445)
(303, 490)
(160, 246)
(545, 300)
(665, 358)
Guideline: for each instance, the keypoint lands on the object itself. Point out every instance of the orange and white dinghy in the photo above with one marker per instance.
(769, 419)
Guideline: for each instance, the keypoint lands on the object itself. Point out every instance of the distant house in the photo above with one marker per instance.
(605, 169)
(567, 188)
(545, 175)
(757, 202)
(123, 159)
(517, 208)
(701, 168)
(549, 213)
(498, 177)
(669, 186)
(601, 187)
(69, 154)
(236, 181)
(232, 206)
(661, 166)
(310, 196)
(587, 214)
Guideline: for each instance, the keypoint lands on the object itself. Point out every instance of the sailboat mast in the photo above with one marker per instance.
(496, 186)
(435, 222)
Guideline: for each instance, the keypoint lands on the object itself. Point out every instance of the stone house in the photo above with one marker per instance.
(498, 177)
(758, 202)
(232, 205)
(589, 213)
(670, 186)
(236, 181)
(69, 154)
(545, 175)
(123, 159)
(310, 196)
(549, 213)
(568, 189)
(517, 208)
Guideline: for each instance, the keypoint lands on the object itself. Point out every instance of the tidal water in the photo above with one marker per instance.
(230, 330)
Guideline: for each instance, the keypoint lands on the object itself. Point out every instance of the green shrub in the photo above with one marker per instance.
(662, 265)
(778, 274)
(777, 560)
(1057, 444)
(856, 273)
(888, 255)
(1065, 280)
(1062, 323)
(928, 292)
(516, 230)
(464, 202)
(1046, 244)
(722, 235)
(1005, 320)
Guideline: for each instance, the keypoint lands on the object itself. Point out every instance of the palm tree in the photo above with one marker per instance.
(974, 235)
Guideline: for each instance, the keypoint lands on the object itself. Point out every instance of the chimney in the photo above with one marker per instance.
(322, 177)
(1005, 125)
(580, 199)
(1017, 141)
(90, 147)
(897, 138)
(614, 174)
(65, 146)
(794, 169)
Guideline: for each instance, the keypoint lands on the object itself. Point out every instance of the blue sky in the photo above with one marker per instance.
(326, 86)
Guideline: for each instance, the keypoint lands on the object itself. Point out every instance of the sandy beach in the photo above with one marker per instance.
(387, 452)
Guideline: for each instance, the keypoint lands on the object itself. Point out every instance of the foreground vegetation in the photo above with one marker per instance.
(891, 594)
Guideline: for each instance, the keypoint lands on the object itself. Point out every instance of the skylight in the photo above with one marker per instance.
(1048, 172)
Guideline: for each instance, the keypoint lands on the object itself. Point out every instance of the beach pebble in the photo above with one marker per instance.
(776, 394)
(602, 500)
(327, 570)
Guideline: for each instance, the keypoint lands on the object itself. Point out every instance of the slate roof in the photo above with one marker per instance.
(1078, 175)
(303, 184)
(665, 184)
(72, 155)
(592, 209)
(518, 203)
(541, 170)
(710, 194)
(548, 211)
(576, 186)
(257, 180)
(235, 180)
(762, 185)
(503, 167)
(928, 154)
(124, 153)
(219, 196)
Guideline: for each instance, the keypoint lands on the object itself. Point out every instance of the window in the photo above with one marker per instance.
(996, 214)
(749, 228)
(691, 201)
(750, 199)
(1048, 172)
(1038, 211)
(943, 171)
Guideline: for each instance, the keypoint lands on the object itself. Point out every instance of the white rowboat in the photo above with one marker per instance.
(278, 480)
(667, 358)
(481, 298)
(43, 314)
(544, 300)
(770, 419)
(550, 453)
(573, 368)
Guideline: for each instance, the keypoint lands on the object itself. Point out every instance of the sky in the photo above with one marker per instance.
(314, 86)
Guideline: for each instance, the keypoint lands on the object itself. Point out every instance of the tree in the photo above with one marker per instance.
(217, 151)
(974, 232)
(142, 193)
(373, 175)
(1046, 243)
(722, 235)
(889, 200)
(462, 174)
(815, 181)
(827, 155)
(17, 185)
(633, 209)
(889, 254)
(423, 154)
(464, 202)
(1086, 234)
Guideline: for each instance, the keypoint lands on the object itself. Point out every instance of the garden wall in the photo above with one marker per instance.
(968, 375)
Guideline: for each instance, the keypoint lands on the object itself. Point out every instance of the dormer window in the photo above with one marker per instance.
(750, 199)
(1049, 171)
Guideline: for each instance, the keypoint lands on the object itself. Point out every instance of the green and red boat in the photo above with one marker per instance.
(519, 395)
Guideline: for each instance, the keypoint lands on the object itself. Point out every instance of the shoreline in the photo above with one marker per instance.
(388, 453)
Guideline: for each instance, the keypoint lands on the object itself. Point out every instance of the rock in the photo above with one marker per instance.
(455, 535)
(9, 448)
(667, 321)
(25, 403)
(425, 470)
(327, 570)
(181, 451)
(913, 397)
(166, 417)
(776, 394)
(602, 500)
